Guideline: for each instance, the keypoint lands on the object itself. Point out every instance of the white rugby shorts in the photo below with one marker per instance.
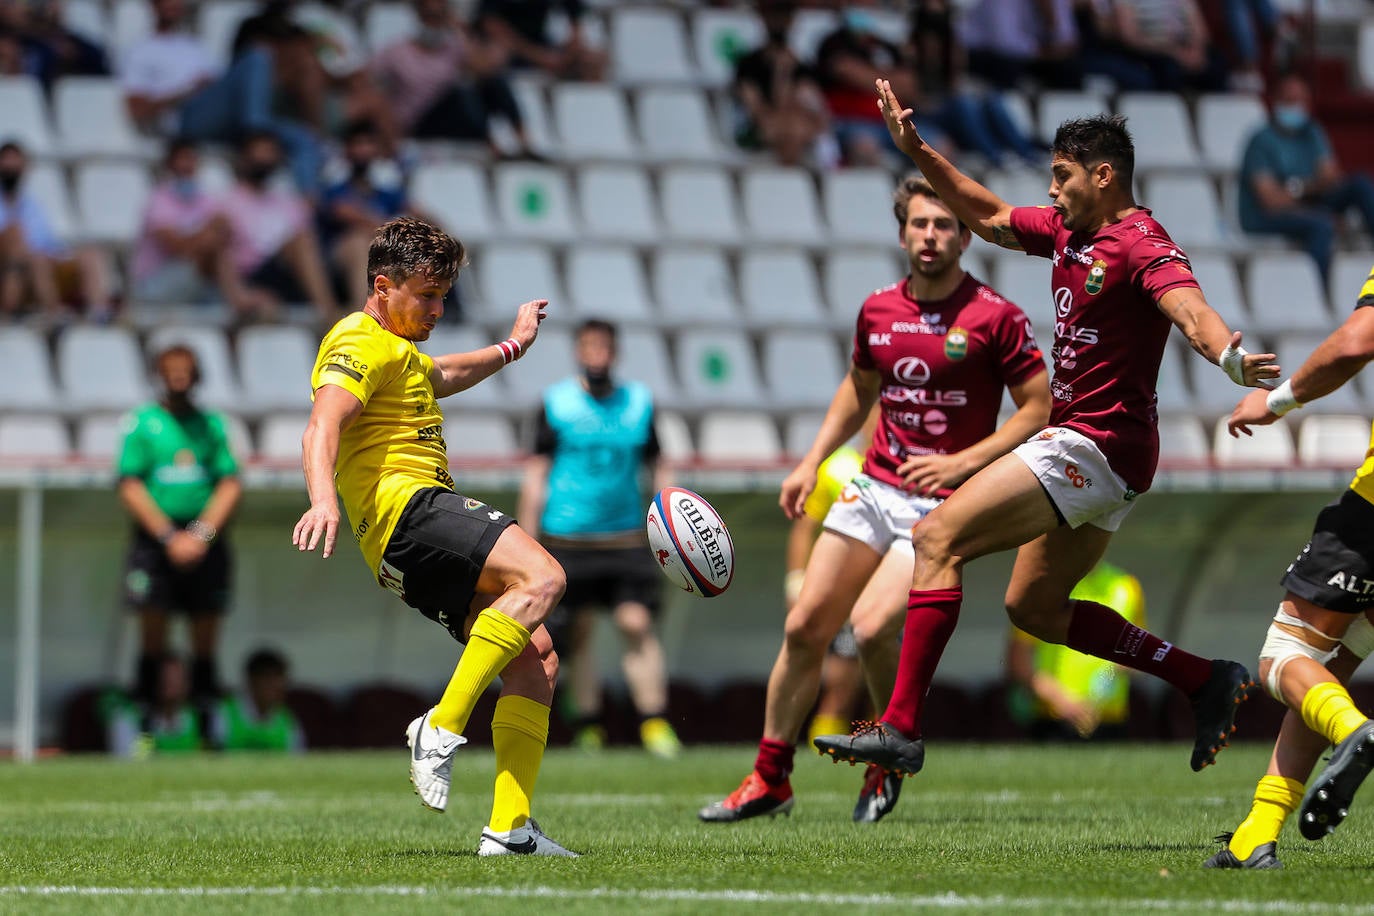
(877, 514)
(1075, 474)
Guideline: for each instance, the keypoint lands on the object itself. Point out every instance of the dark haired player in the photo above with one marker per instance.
(376, 430)
(1119, 282)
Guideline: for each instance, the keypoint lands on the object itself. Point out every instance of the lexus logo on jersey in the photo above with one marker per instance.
(911, 370)
(1063, 301)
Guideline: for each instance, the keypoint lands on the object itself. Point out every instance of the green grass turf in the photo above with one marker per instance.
(984, 829)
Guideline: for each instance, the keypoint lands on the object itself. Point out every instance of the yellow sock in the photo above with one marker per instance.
(519, 733)
(1328, 710)
(1275, 799)
(495, 640)
(825, 724)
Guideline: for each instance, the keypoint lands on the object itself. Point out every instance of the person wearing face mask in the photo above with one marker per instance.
(177, 258)
(273, 255)
(582, 496)
(1290, 182)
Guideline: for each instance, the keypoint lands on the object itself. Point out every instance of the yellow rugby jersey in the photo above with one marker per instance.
(396, 446)
(835, 471)
(1363, 483)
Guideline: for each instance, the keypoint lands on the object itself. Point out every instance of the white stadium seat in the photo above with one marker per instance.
(29, 438)
(799, 432)
(593, 122)
(699, 205)
(1364, 53)
(26, 115)
(1349, 271)
(743, 437)
(384, 24)
(1216, 275)
(809, 28)
(92, 119)
(219, 23)
(279, 437)
(534, 112)
(1225, 121)
(720, 37)
(1269, 447)
(779, 289)
(490, 393)
(99, 437)
(551, 361)
(850, 277)
(717, 369)
(642, 355)
(608, 282)
(1161, 129)
(111, 198)
(801, 369)
(219, 387)
(649, 46)
(1285, 293)
(45, 182)
(1189, 208)
(693, 286)
(131, 21)
(858, 206)
(1021, 187)
(456, 194)
(675, 124)
(616, 203)
(1174, 393)
(275, 362)
(780, 206)
(1057, 106)
(28, 372)
(1340, 440)
(1293, 349)
(101, 368)
(470, 437)
(517, 272)
(1026, 282)
(1182, 441)
(87, 19)
(534, 201)
(674, 436)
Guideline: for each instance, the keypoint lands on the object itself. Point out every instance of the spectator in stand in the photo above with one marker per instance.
(173, 88)
(50, 50)
(519, 29)
(778, 101)
(166, 723)
(184, 237)
(443, 84)
(1011, 40)
(274, 254)
(1290, 182)
(259, 719)
(366, 190)
(1248, 24)
(1100, 51)
(1170, 37)
(35, 264)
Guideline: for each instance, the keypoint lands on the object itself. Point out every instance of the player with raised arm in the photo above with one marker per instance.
(376, 431)
(935, 351)
(1118, 284)
(1322, 630)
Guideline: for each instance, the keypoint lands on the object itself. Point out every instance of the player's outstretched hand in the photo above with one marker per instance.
(527, 319)
(796, 489)
(1250, 370)
(317, 522)
(1253, 410)
(898, 119)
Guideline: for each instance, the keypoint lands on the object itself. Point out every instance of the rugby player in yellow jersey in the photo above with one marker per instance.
(376, 432)
(1322, 629)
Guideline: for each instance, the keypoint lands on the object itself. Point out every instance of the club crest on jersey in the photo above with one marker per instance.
(956, 344)
(1096, 275)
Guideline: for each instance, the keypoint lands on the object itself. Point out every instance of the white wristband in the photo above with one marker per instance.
(1232, 362)
(1281, 399)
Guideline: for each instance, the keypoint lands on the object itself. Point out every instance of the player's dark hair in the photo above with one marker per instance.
(264, 662)
(911, 186)
(598, 326)
(175, 351)
(406, 247)
(12, 146)
(1101, 138)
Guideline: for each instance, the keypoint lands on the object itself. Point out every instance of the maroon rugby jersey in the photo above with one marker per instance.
(1109, 334)
(943, 366)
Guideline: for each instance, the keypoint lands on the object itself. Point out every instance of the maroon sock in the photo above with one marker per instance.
(931, 615)
(1096, 629)
(774, 762)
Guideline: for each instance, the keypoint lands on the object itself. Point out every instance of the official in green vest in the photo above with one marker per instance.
(178, 480)
(167, 725)
(259, 719)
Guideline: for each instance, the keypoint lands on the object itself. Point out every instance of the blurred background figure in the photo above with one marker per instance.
(1009, 41)
(1062, 695)
(520, 30)
(258, 719)
(583, 497)
(166, 723)
(178, 480)
(1170, 38)
(179, 254)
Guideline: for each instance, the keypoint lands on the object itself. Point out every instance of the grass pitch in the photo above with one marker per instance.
(993, 829)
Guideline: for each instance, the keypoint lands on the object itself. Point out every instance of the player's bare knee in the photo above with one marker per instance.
(933, 542)
(805, 635)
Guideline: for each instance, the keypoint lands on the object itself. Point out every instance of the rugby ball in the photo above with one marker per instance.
(690, 542)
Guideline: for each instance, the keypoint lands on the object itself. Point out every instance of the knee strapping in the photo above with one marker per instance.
(1292, 637)
(1359, 639)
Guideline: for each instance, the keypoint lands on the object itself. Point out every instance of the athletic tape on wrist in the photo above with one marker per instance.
(510, 350)
(1232, 362)
(1281, 399)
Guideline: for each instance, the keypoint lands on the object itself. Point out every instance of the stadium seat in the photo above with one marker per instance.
(219, 387)
(675, 125)
(377, 713)
(275, 362)
(1293, 349)
(99, 436)
(384, 24)
(1349, 271)
(779, 289)
(739, 437)
(1182, 440)
(616, 204)
(649, 46)
(1172, 389)
(799, 432)
(36, 437)
(780, 206)
(608, 282)
(130, 21)
(850, 277)
(279, 436)
(642, 355)
(1026, 282)
(552, 361)
(92, 119)
(809, 28)
(479, 436)
(534, 111)
(45, 182)
(28, 372)
(219, 23)
(593, 122)
(111, 198)
(456, 194)
(1057, 106)
(338, 42)
(490, 393)
(1339, 440)
(693, 286)
(698, 205)
(1019, 110)
(1189, 209)
(534, 202)
(1021, 187)
(1285, 293)
(1216, 275)
(720, 37)
(1225, 122)
(674, 437)
(1269, 447)
(120, 382)
(717, 369)
(26, 115)
(1163, 130)
(87, 19)
(517, 272)
(1364, 53)
(858, 206)
(801, 369)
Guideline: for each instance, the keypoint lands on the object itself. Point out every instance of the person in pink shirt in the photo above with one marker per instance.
(177, 259)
